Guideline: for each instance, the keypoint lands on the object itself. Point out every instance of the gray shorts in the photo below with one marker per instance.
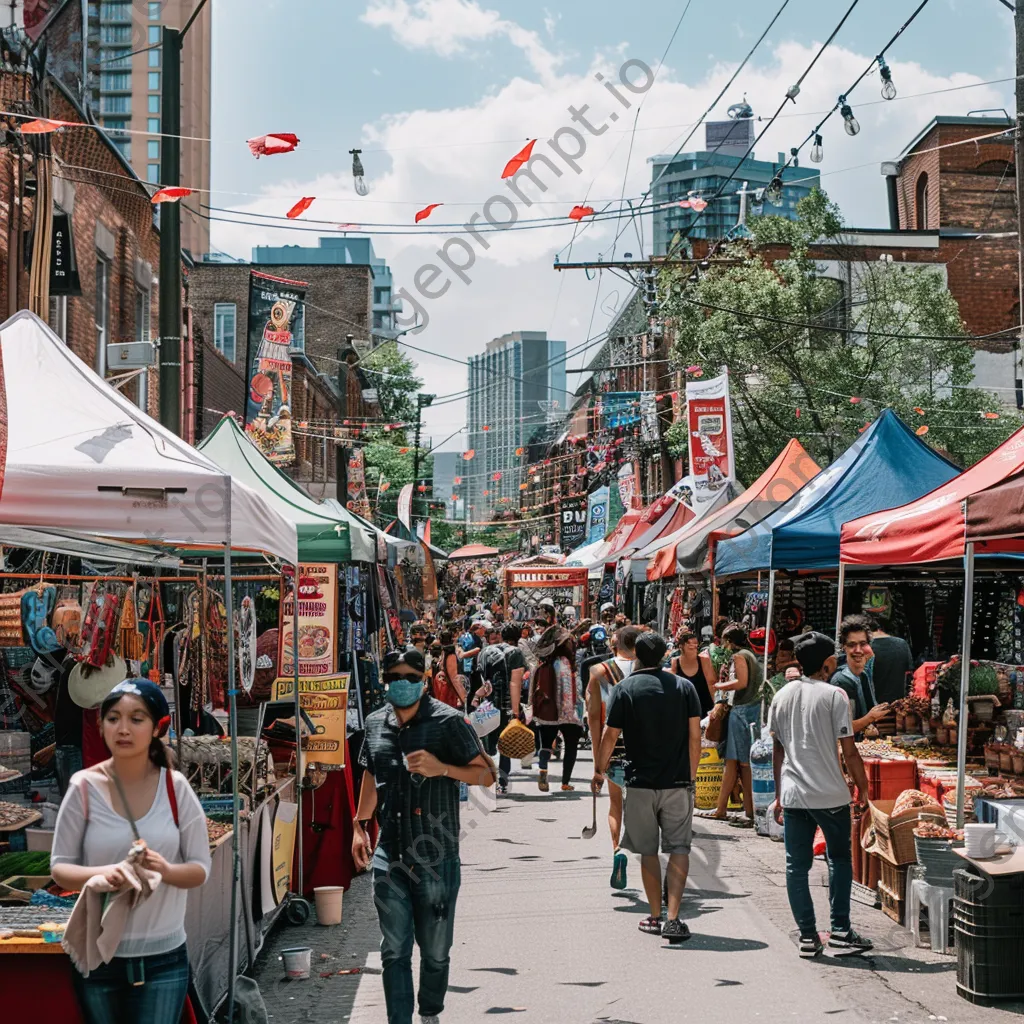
(650, 812)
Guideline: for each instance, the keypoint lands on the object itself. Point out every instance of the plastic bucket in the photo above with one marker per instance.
(296, 962)
(328, 903)
(709, 779)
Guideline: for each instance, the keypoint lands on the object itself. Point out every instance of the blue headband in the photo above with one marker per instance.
(150, 694)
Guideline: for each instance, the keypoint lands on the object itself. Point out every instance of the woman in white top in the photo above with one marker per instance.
(135, 790)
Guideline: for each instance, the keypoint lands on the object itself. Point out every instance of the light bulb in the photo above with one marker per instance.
(850, 123)
(817, 152)
(888, 89)
(358, 180)
(773, 193)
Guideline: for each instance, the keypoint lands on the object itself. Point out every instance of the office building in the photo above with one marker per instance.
(703, 174)
(124, 93)
(515, 386)
(448, 466)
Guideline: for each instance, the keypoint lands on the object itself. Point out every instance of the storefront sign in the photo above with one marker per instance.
(324, 701)
(357, 499)
(63, 268)
(283, 848)
(709, 426)
(597, 515)
(572, 522)
(318, 621)
(276, 319)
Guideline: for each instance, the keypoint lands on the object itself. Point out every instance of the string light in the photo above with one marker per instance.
(850, 123)
(773, 191)
(888, 89)
(817, 153)
(358, 179)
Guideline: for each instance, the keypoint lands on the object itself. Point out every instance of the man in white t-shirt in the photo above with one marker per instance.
(809, 719)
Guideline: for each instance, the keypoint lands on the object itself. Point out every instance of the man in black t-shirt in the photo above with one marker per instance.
(502, 666)
(658, 715)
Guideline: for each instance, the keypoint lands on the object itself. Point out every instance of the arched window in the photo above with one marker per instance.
(921, 203)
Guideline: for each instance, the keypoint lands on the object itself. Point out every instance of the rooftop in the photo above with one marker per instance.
(989, 124)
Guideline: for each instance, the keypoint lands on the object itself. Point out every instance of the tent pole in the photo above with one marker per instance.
(298, 722)
(236, 862)
(839, 602)
(965, 680)
(768, 620)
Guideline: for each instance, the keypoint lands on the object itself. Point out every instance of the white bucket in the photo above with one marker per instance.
(328, 903)
(296, 962)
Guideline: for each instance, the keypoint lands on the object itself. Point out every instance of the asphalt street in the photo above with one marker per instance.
(541, 936)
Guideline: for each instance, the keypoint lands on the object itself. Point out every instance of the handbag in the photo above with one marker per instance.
(516, 740)
(718, 722)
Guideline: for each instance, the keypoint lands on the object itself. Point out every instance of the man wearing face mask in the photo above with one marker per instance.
(416, 752)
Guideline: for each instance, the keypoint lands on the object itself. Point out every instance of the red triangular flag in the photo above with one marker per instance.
(300, 207)
(44, 125)
(579, 212)
(426, 533)
(519, 159)
(276, 142)
(427, 211)
(170, 195)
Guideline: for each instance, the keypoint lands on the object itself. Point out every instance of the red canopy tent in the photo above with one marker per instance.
(473, 551)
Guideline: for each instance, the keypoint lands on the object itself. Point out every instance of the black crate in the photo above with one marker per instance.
(988, 969)
(976, 886)
(984, 915)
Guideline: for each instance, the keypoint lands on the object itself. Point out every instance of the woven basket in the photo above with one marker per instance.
(894, 834)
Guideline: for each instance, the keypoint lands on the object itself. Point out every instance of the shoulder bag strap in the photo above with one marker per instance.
(172, 796)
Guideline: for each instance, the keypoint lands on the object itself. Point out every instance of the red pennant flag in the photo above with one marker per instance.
(300, 207)
(854, 401)
(485, 427)
(798, 414)
(421, 488)
(579, 212)
(268, 145)
(496, 476)
(695, 369)
(698, 204)
(456, 481)
(427, 211)
(44, 125)
(469, 453)
(918, 410)
(519, 159)
(860, 430)
(170, 195)
(921, 431)
(990, 415)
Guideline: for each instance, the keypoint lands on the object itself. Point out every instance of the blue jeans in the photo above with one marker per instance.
(110, 994)
(800, 827)
(415, 903)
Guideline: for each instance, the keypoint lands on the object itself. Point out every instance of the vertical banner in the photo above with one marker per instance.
(35, 15)
(709, 429)
(628, 490)
(405, 506)
(358, 502)
(318, 621)
(648, 418)
(276, 317)
(572, 522)
(597, 515)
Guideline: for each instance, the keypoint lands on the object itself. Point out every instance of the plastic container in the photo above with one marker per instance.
(16, 751)
(328, 903)
(297, 962)
(709, 779)
(39, 840)
(887, 779)
(939, 861)
(986, 968)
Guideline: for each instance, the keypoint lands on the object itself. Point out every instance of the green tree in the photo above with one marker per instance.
(891, 338)
(393, 374)
(387, 461)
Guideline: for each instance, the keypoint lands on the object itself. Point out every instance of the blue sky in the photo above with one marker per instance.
(435, 92)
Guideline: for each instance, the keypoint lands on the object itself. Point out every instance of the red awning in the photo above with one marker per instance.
(933, 528)
(474, 551)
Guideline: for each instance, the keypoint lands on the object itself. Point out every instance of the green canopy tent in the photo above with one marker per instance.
(325, 534)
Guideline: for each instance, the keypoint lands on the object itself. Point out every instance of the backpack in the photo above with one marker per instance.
(544, 693)
(441, 686)
(496, 671)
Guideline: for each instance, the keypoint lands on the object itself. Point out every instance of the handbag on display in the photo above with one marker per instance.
(67, 620)
(718, 722)
(100, 626)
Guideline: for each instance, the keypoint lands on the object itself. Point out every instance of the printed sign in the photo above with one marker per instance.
(572, 522)
(318, 620)
(597, 515)
(709, 423)
(358, 502)
(628, 491)
(276, 319)
(323, 700)
(405, 506)
(283, 848)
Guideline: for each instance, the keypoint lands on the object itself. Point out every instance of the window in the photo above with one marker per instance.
(153, 126)
(117, 81)
(154, 104)
(125, 149)
(154, 81)
(224, 329)
(921, 203)
(116, 104)
(58, 318)
(154, 58)
(154, 10)
(381, 296)
(155, 34)
(111, 60)
(101, 313)
(153, 149)
(113, 34)
(115, 12)
(153, 173)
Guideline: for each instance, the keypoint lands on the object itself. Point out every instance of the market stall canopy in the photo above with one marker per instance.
(324, 536)
(932, 528)
(473, 551)
(395, 529)
(659, 519)
(995, 517)
(95, 465)
(333, 507)
(687, 549)
(95, 548)
(888, 464)
(587, 554)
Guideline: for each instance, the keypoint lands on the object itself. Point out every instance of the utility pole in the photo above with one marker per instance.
(1018, 155)
(347, 356)
(170, 226)
(422, 401)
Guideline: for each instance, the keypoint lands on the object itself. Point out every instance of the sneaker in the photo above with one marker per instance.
(810, 947)
(432, 1019)
(849, 943)
(675, 931)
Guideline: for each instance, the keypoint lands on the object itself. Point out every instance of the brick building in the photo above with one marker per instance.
(112, 238)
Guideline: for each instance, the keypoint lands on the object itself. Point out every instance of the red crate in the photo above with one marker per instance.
(887, 779)
(933, 787)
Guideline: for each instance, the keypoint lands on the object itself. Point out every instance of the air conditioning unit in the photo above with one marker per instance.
(131, 355)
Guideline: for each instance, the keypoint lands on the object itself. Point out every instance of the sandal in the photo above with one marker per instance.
(711, 815)
(567, 788)
(650, 926)
(742, 823)
(542, 780)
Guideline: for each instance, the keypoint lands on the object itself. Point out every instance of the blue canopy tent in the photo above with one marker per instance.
(887, 466)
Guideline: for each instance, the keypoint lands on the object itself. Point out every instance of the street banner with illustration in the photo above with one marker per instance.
(572, 522)
(597, 515)
(628, 490)
(318, 620)
(709, 429)
(323, 700)
(276, 317)
(358, 501)
(405, 506)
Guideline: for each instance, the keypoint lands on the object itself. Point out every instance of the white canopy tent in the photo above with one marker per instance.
(82, 458)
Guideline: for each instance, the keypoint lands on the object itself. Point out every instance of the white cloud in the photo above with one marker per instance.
(447, 27)
(455, 156)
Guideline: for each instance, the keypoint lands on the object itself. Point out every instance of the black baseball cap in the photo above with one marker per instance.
(411, 657)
